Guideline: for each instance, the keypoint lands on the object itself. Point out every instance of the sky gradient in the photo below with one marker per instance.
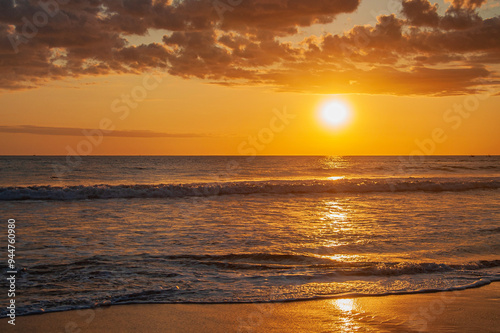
(245, 77)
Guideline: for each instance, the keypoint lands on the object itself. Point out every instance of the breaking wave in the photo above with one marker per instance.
(353, 185)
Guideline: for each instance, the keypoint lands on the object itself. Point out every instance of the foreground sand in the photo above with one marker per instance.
(472, 310)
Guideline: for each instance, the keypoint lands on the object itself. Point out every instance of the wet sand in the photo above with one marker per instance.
(471, 310)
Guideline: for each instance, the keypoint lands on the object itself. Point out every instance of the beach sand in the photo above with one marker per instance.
(471, 310)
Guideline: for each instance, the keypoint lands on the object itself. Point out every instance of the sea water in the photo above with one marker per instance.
(94, 231)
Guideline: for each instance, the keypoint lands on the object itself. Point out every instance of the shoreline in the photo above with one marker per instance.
(478, 284)
(472, 310)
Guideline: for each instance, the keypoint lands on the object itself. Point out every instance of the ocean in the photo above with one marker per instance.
(94, 231)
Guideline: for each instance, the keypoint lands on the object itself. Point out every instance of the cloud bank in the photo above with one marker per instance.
(415, 51)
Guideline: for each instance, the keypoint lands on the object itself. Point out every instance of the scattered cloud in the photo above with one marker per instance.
(414, 52)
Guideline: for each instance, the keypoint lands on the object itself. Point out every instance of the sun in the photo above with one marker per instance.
(335, 113)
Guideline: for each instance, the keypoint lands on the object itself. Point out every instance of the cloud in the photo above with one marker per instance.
(70, 131)
(421, 13)
(461, 14)
(417, 51)
(282, 17)
(384, 80)
(466, 4)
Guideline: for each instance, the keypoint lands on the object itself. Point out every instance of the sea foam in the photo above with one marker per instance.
(353, 185)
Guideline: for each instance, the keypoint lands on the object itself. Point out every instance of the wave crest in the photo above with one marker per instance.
(355, 185)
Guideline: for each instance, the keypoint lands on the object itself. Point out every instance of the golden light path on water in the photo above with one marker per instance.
(336, 177)
(345, 304)
(346, 321)
(338, 220)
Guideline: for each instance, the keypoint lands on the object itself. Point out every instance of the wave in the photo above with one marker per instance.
(495, 230)
(168, 281)
(310, 266)
(155, 296)
(317, 265)
(319, 269)
(353, 185)
(145, 296)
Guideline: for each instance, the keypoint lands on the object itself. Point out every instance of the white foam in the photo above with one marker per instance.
(355, 185)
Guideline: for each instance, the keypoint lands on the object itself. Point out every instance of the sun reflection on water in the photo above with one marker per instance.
(344, 304)
(347, 315)
(335, 162)
(335, 224)
(335, 212)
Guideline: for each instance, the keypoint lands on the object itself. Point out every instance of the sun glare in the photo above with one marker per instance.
(335, 113)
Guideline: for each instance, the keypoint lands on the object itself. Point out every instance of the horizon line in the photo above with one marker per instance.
(264, 155)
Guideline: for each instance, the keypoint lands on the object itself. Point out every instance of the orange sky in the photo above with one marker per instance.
(418, 78)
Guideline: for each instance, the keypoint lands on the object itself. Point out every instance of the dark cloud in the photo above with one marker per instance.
(461, 14)
(421, 13)
(460, 19)
(69, 131)
(246, 44)
(282, 17)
